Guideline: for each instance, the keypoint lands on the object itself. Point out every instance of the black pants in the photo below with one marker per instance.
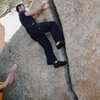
(37, 33)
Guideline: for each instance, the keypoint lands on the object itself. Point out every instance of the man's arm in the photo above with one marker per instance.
(10, 77)
(43, 6)
(2, 87)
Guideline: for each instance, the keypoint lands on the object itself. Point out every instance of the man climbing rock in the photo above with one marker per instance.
(37, 31)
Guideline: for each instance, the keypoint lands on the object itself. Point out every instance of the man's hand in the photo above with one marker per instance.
(46, 6)
(45, 1)
(43, 6)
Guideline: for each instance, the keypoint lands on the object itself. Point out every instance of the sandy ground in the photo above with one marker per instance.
(11, 23)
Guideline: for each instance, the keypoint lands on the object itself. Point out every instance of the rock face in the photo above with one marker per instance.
(34, 80)
(81, 25)
(2, 36)
(80, 20)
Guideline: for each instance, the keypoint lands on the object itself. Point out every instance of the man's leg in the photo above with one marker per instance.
(44, 42)
(52, 27)
(51, 59)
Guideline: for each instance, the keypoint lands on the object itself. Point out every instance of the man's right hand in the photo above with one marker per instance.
(46, 6)
(45, 1)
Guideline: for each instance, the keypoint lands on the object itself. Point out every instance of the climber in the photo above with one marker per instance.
(8, 80)
(37, 32)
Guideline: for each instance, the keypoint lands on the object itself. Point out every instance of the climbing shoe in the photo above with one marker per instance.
(51, 63)
(59, 64)
(61, 44)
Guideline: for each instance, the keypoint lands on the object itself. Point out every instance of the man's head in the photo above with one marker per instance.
(20, 7)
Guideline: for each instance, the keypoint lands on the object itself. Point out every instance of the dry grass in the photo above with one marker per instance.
(4, 4)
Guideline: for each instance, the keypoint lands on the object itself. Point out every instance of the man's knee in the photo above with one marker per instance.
(53, 22)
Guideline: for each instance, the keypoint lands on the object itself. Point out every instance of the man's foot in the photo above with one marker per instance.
(59, 64)
(51, 63)
(60, 44)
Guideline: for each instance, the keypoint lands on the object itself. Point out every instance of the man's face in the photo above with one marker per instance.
(21, 8)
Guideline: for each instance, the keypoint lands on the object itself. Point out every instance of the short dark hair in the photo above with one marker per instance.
(19, 5)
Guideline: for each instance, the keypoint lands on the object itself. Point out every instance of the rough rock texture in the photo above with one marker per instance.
(81, 25)
(34, 80)
(2, 36)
